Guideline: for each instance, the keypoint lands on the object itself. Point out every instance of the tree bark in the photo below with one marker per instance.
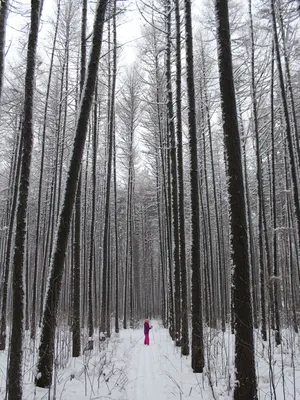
(197, 326)
(38, 218)
(181, 223)
(173, 183)
(244, 343)
(14, 373)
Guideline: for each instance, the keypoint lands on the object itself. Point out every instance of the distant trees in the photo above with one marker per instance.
(128, 112)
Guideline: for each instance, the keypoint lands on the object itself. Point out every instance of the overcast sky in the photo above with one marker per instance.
(19, 18)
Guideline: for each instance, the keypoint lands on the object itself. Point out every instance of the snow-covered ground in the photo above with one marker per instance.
(123, 368)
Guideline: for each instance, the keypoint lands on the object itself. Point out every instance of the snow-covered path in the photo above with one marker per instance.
(148, 366)
(123, 368)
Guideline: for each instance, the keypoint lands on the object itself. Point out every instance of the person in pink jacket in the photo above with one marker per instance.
(147, 328)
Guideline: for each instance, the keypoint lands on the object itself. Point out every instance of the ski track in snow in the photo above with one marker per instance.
(148, 371)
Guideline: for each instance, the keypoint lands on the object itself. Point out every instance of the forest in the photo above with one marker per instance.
(150, 168)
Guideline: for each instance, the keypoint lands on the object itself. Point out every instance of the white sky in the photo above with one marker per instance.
(128, 26)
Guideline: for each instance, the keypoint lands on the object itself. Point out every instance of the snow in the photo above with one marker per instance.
(123, 368)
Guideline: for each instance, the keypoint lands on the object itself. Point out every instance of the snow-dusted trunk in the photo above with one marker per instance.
(181, 213)
(210, 245)
(197, 325)
(38, 218)
(53, 213)
(165, 195)
(106, 233)
(76, 270)
(91, 298)
(244, 343)
(76, 279)
(14, 373)
(274, 209)
(64, 107)
(260, 231)
(47, 243)
(115, 176)
(46, 349)
(106, 229)
(3, 18)
(161, 183)
(128, 235)
(251, 244)
(221, 287)
(173, 183)
(208, 308)
(111, 132)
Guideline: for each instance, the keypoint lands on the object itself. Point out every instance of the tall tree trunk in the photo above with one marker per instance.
(91, 279)
(181, 244)
(168, 256)
(274, 193)
(197, 326)
(46, 349)
(111, 134)
(131, 264)
(206, 227)
(168, 202)
(252, 252)
(38, 218)
(76, 279)
(174, 199)
(221, 288)
(14, 372)
(76, 292)
(244, 343)
(251, 245)
(259, 184)
(114, 72)
(85, 241)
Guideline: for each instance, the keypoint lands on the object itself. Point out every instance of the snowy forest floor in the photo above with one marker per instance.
(123, 368)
